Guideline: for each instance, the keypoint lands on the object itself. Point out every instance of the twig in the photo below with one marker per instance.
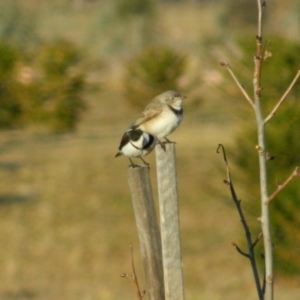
(257, 240)
(240, 251)
(237, 202)
(248, 98)
(273, 112)
(294, 174)
(264, 278)
(134, 278)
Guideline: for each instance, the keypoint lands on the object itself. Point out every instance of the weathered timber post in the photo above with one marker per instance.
(148, 230)
(169, 218)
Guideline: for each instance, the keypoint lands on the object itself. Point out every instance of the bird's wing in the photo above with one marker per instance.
(150, 112)
(125, 139)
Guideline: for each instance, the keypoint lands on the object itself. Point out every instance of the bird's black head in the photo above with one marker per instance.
(135, 134)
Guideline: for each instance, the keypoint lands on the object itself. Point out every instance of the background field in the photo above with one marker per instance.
(66, 219)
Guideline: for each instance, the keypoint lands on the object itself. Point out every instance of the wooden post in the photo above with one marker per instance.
(169, 217)
(148, 230)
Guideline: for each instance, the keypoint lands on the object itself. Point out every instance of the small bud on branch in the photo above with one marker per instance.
(226, 182)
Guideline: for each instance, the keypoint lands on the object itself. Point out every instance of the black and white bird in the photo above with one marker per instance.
(136, 143)
(161, 116)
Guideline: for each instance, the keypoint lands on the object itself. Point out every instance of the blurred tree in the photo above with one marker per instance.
(46, 90)
(10, 106)
(152, 72)
(58, 100)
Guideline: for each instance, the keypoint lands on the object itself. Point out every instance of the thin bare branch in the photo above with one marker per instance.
(261, 7)
(258, 59)
(294, 174)
(237, 202)
(257, 240)
(240, 86)
(238, 249)
(264, 277)
(273, 112)
(133, 278)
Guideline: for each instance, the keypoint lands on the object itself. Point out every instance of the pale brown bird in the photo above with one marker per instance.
(161, 116)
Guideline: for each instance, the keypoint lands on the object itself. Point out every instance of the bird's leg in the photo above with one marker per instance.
(132, 164)
(168, 141)
(145, 162)
(161, 144)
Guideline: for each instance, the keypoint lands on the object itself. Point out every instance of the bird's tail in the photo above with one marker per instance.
(118, 154)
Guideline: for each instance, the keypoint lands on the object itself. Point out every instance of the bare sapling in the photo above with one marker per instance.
(266, 289)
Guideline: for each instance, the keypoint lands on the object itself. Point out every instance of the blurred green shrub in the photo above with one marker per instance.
(10, 106)
(47, 90)
(61, 96)
(129, 8)
(152, 72)
(58, 57)
(283, 142)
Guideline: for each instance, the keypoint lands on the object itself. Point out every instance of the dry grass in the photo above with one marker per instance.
(65, 210)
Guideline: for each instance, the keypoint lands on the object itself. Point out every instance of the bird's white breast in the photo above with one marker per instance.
(130, 151)
(164, 124)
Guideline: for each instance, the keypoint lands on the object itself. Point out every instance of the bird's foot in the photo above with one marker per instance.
(162, 144)
(132, 165)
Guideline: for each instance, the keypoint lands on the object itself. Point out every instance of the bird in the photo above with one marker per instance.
(161, 116)
(136, 143)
